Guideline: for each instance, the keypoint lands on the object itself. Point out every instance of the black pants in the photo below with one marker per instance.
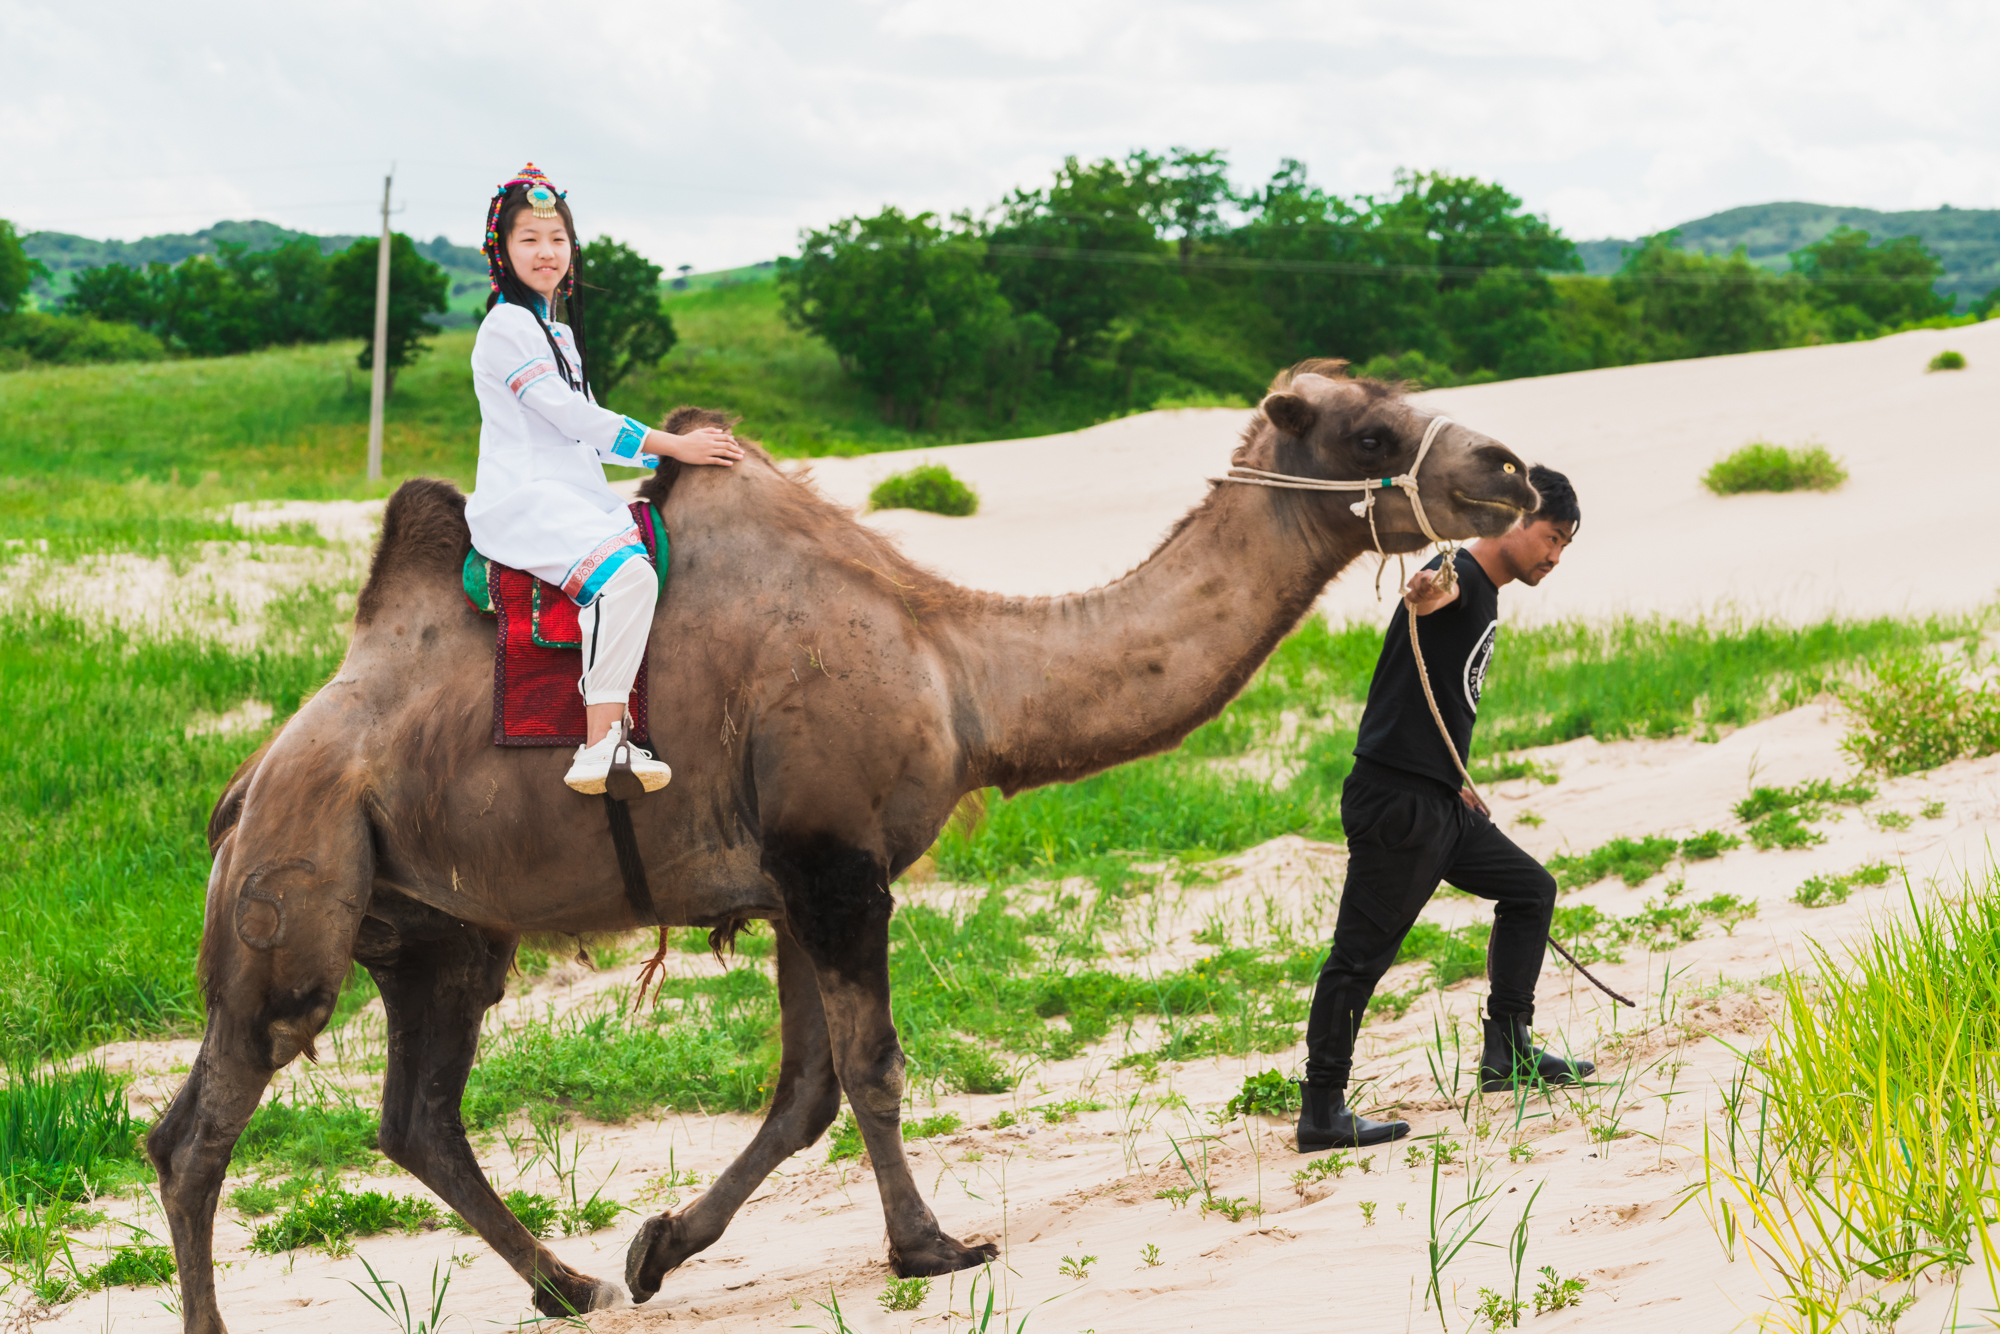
(1405, 833)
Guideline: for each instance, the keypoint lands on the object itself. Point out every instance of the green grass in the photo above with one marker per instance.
(332, 1216)
(1862, 1140)
(103, 800)
(1635, 861)
(709, 1046)
(1762, 466)
(322, 1136)
(930, 487)
(67, 1135)
(1918, 710)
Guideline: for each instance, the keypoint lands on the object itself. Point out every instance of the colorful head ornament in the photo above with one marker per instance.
(542, 197)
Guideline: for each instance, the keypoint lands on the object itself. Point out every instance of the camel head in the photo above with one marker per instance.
(1318, 422)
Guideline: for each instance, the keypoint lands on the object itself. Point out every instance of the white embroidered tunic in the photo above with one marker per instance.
(541, 503)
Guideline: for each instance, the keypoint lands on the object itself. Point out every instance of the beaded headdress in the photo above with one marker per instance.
(542, 198)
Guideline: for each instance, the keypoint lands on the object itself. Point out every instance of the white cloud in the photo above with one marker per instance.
(709, 134)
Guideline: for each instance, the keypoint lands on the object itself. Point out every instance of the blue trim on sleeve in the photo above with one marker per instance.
(631, 437)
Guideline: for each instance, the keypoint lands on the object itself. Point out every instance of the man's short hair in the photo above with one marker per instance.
(1558, 496)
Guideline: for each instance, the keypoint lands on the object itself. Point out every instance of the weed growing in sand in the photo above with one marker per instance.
(331, 1132)
(1863, 1138)
(1918, 710)
(1555, 1293)
(332, 1216)
(1946, 361)
(1932, 809)
(137, 1265)
(1708, 845)
(1762, 466)
(397, 1308)
(1078, 1268)
(1498, 1310)
(1893, 822)
(254, 1199)
(1633, 860)
(1268, 1094)
(1453, 1228)
(930, 487)
(1367, 1208)
(1529, 820)
(1827, 890)
(904, 1294)
(844, 1140)
(1150, 1256)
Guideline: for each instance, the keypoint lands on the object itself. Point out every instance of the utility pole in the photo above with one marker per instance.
(378, 382)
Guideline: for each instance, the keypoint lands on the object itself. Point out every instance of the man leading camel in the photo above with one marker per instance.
(1411, 823)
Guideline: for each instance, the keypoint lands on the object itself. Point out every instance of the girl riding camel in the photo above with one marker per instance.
(541, 502)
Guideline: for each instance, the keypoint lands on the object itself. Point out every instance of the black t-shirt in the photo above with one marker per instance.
(1397, 728)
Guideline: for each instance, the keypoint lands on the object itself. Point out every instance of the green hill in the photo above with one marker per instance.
(66, 254)
(1966, 239)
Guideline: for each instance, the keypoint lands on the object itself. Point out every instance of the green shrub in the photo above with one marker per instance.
(69, 340)
(1947, 361)
(929, 487)
(254, 1199)
(1635, 861)
(334, 1215)
(1761, 466)
(1708, 845)
(1784, 830)
(1916, 711)
(134, 1266)
(1268, 1094)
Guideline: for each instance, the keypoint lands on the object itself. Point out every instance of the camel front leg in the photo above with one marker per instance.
(837, 900)
(804, 1105)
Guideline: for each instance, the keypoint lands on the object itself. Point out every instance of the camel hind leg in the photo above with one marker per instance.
(285, 897)
(438, 977)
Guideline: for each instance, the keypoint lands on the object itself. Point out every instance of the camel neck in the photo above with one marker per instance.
(1060, 688)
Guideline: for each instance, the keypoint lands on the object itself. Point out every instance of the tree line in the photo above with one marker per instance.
(1124, 283)
(242, 300)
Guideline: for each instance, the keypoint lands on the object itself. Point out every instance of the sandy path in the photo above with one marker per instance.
(1087, 1186)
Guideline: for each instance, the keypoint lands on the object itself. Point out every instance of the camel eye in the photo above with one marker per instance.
(1371, 443)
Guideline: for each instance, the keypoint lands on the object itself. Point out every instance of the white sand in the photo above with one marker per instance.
(1905, 534)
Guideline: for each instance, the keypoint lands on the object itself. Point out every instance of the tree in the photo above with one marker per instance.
(1080, 254)
(417, 287)
(1866, 290)
(909, 308)
(17, 271)
(1332, 278)
(1696, 305)
(624, 325)
(118, 294)
(1183, 193)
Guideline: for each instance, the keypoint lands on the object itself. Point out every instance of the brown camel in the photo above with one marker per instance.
(825, 705)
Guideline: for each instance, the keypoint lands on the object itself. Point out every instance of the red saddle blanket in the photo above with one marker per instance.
(538, 649)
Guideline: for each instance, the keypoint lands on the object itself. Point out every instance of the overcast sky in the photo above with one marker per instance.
(709, 134)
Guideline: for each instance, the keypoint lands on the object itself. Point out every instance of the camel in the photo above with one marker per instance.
(825, 704)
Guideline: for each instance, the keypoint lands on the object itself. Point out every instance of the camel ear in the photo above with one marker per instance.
(1290, 414)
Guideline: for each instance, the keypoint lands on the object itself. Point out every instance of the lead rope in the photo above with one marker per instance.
(1447, 579)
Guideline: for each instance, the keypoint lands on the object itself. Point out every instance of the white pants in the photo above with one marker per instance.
(615, 627)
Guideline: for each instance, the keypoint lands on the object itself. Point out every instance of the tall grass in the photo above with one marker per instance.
(1861, 1146)
(104, 795)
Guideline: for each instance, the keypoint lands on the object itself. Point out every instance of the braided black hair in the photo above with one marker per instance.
(567, 305)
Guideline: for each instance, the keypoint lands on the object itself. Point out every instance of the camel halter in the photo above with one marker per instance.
(1445, 581)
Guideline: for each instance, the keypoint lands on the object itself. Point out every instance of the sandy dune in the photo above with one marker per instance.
(1066, 512)
(1909, 531)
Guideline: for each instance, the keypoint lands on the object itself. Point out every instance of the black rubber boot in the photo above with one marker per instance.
(1326, 1122)
(1511, 1057)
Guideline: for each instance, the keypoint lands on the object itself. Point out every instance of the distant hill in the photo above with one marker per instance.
(1966, 239)
(66, 254)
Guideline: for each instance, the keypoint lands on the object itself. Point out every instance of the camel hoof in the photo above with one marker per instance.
(579, 1297)
(643, 1273)
(943, 1256)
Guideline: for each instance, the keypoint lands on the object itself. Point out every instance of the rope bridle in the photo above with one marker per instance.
(1445, 580)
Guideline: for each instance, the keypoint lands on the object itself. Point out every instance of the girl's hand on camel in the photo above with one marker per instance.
(1423, 598)
(709, 444)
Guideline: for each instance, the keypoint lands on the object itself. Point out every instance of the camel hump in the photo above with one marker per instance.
(424, 537)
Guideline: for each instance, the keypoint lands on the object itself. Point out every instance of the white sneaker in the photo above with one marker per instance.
(592, 765)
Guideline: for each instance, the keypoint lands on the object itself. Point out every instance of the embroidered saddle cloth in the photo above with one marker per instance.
(538, 648)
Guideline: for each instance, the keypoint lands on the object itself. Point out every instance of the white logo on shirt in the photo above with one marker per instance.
(1476, 663)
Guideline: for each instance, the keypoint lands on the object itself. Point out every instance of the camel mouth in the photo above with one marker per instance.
(1507, 507)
